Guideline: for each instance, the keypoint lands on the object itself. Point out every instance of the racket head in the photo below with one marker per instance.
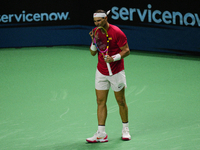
(101, 39)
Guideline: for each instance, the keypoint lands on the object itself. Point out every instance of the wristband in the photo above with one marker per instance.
(93, 47)
(116, 57)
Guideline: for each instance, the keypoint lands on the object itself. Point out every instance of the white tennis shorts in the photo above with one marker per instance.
(116, 82)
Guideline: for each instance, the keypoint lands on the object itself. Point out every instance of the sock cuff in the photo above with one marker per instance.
(101, 128)
(125, 125)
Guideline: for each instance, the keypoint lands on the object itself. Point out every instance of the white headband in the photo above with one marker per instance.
(101, 14)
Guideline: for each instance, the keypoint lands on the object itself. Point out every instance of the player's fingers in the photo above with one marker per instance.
(91, 33)
(108, 59)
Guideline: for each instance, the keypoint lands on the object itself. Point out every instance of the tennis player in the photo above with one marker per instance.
(118, 50)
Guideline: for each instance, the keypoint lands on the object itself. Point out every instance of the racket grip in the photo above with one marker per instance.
(109, 69)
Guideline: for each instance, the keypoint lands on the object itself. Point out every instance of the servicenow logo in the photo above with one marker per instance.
(36, 17)
(155, 16)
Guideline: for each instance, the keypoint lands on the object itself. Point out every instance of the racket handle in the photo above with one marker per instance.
(109, 69)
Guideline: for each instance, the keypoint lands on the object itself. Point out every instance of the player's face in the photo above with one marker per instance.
(99, 21)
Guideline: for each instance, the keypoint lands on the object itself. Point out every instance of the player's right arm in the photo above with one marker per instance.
(93, 53)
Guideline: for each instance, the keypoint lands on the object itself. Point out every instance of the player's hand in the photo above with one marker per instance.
(108, 59)
(91, 35)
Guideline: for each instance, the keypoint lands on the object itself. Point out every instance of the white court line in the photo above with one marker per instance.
(141, 90)
(64, 113)
(4, 136)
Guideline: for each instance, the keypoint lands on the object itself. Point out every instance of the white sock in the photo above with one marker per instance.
(101, 128)
(125, 125)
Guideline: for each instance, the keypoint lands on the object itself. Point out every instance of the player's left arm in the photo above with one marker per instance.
(125, 51)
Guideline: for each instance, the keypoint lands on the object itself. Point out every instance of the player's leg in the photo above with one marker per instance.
(118, 84)
(102, 86)
(123, 110)
(101, 106)
(100, 135)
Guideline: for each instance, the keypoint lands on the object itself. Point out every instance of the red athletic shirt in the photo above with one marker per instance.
(117, 39)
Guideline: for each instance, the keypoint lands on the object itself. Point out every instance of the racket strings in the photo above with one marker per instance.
(101, 39)
(97, 36)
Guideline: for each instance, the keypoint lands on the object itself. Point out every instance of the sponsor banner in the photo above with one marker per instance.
(155, 16)
(179, 13)
(169, 26)
(34, 17)
(38, 13)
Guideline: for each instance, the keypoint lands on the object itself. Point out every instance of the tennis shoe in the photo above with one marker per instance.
(125, 134)
(98, 137)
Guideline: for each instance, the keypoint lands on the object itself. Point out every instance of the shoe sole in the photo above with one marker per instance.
(99, 140)
(126, 139)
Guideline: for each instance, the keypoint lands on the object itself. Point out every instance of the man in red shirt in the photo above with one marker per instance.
(118, 50)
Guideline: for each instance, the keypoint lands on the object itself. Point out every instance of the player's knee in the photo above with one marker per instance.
(121, 102)
(101, 101)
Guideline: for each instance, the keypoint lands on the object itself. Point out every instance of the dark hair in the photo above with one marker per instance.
(100, 11)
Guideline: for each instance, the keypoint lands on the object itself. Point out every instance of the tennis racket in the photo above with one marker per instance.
(101, 42)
